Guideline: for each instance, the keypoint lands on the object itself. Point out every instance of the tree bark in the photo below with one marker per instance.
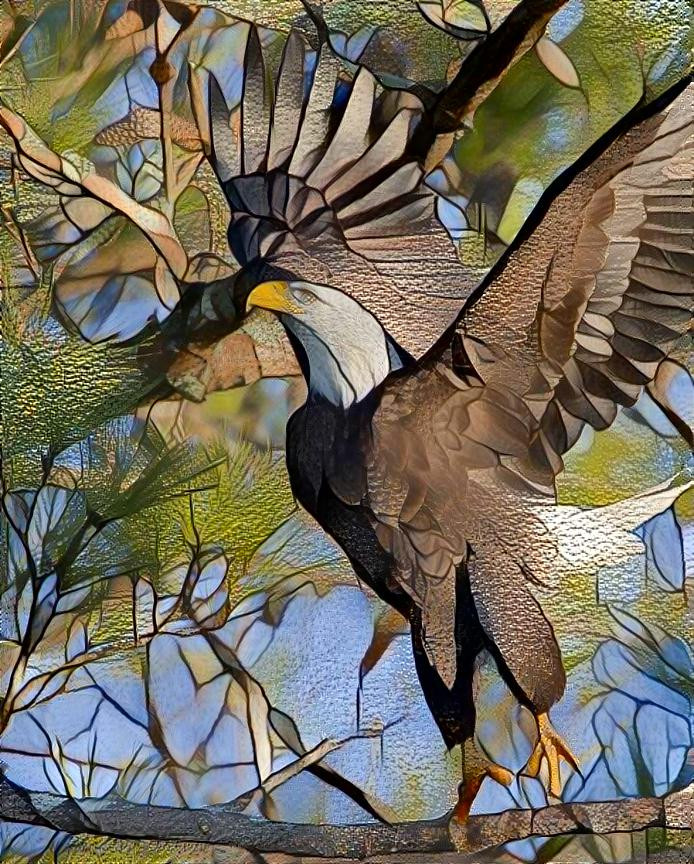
(490, 60)
(226, 825)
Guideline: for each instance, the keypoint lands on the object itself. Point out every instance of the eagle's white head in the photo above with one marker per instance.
(347, 350)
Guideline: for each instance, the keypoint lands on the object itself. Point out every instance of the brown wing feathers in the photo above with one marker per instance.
(322, 184)
(575, 324)
(600, 292)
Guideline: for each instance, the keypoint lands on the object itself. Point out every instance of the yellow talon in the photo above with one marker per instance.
(478, 767)
(500, 774)
(552, 747)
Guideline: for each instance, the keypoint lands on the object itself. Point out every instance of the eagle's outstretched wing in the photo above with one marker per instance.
(573, 322)
(578, 316)
(322, 181)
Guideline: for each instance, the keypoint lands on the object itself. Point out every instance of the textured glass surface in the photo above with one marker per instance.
(507, 351)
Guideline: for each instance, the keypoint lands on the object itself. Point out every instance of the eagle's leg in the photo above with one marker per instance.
(476, 768)
(552, 747)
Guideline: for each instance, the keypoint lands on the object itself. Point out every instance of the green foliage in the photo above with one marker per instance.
(531, 127)
(56, 387)
(166, 499)
(249, 502)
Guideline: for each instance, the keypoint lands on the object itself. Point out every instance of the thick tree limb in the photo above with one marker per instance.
(225, 825)
(235, 360)
(490, 60)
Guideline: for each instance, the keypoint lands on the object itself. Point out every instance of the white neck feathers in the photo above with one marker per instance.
(347, 364)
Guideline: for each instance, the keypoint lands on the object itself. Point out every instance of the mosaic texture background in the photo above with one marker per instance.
(174, 629)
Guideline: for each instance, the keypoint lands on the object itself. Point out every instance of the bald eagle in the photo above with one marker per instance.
(439, 410)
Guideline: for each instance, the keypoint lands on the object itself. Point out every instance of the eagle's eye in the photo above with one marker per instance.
(303, 296)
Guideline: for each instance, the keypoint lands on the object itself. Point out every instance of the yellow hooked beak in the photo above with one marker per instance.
(274, 296)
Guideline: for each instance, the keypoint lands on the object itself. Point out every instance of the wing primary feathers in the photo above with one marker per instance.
(637, 115)
(255, 108)
(288, 102)
(352, 136)
(223, 155)
(597, 290)
(316, 120)
(386, 149)
(300, 185)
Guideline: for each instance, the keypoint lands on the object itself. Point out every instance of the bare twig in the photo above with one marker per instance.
(483, 69)
(225, 825)
(311, 757)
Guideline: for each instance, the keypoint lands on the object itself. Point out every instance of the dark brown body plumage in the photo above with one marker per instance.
(402, 540)
(311, 473)
(437, 483)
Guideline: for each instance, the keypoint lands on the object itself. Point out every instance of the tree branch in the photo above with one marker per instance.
(311, 757)
(53, 170)
(226, 825)
(490, 60)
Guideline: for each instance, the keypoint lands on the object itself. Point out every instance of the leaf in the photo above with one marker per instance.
(77, 639)
(463, 19)
(197, 592)
(557, 63)
(43, 609)
(209, 599)
(665, 564)
(58, 515)
(23, 607)
(250, 500)
(208, 267)
(18, 265)
(139, 169)
(63, 225)
(109, 554)
(396, 42)
(656, 647)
